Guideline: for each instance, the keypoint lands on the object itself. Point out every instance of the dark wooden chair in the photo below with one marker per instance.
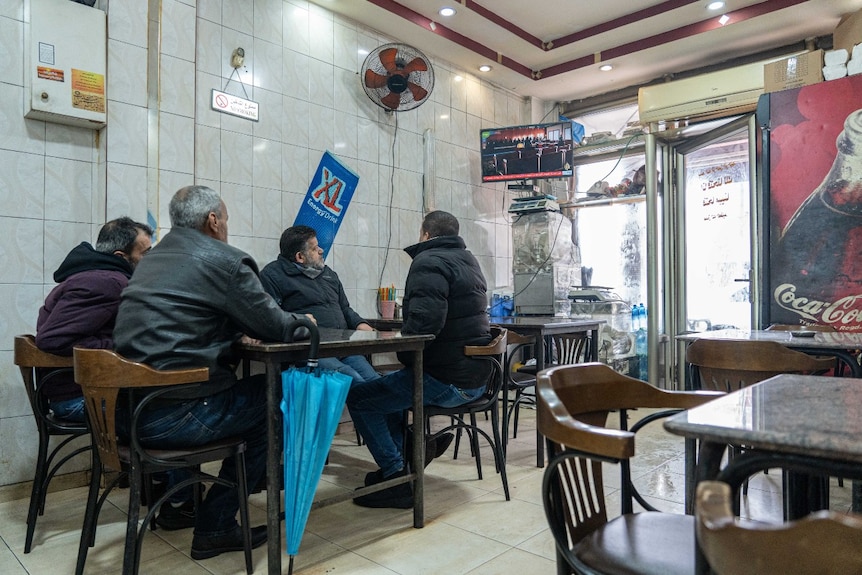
(574, 403)
(727, 365)
(823, 542)
(463, 417)
(564, 349)
(102, 375)
(38, 368)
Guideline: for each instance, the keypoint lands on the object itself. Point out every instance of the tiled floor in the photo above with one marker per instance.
(470, 527)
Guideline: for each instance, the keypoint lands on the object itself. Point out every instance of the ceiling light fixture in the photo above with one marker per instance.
(446, 11)
(484, 68)
(715, 6)
(606, 67)
(724, 19)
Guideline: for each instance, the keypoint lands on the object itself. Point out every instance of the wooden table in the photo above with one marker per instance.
(837, 344)
(333, 343)
(801, 423)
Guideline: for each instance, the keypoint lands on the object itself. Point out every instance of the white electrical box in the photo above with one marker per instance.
(65, 63)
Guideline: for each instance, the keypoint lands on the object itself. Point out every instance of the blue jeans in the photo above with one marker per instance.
(356, 366)
(377, 409)
(69, 409)
(239, 411)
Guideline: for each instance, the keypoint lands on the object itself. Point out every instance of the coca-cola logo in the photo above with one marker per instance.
(846, 311)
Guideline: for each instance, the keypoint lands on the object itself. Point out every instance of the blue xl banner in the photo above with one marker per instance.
(326, 202)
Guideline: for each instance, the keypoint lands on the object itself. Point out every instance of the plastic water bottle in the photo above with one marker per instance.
(641, 342)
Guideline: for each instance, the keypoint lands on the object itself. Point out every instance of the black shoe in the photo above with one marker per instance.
(396, 497)
(373, 477)
(430, 449)
(172, 518)
(443, 443)
(261, 485)
(204, 547)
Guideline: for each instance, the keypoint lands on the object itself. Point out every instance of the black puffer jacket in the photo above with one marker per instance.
(446, 295)
(323, 296)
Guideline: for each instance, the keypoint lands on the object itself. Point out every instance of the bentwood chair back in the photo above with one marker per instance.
(103, 374)
(727, 365)
(823, 542)
(574, 403)
(39, 368)
(463, 417)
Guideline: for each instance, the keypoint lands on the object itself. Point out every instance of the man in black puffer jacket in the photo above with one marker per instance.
(445, 295)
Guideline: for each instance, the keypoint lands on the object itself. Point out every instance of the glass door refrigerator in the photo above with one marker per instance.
(812, 145)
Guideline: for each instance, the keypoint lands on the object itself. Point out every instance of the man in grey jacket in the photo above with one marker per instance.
(189, 301)
(300, 282)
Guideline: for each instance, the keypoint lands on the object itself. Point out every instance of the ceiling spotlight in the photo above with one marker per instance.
(724, 19)
(446, 11)
(715, 6)
(484, 68)
(606, 67)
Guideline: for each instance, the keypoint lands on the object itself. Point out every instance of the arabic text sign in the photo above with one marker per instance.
(235, 106)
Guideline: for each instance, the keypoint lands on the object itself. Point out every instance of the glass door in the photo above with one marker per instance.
(714, 177)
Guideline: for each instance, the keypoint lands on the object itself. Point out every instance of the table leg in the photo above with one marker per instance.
(540, 365)
(273, 458)
(418, 442)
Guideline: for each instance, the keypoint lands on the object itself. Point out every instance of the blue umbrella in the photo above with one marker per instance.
(312, 403)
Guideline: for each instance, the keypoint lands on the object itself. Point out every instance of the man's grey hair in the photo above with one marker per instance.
(120, 235)
(191, 206)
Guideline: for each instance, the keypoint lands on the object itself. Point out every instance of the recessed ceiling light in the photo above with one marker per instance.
(446, 11)
(724, 19)
(715, 6)
(484, 68)
(606, 67)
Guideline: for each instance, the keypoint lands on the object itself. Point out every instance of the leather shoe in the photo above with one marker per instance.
(204, 546)
(172, 518)
(443, 443)
(396, 497)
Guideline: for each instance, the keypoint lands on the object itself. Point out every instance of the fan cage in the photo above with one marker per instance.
(383, 96)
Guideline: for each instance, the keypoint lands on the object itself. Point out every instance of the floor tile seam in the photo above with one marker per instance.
(490, 538)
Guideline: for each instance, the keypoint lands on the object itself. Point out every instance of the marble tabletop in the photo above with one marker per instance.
(820, 340)
(797, 414)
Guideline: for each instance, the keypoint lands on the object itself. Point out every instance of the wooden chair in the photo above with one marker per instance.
(489, 401)
(38, 368)
(564, 349)
(821, 328)
(727, 365)
(823, 542)
(518, 379)
(574, 402)
(102, 374)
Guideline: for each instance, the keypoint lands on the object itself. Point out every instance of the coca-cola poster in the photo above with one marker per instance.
(815, 196)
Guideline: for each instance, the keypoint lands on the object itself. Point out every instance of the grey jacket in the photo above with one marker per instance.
(323, 296)
(190, 299)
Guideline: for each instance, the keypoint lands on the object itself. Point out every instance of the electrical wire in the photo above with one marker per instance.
(391, 197)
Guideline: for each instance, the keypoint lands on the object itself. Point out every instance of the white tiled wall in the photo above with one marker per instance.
(59, 184)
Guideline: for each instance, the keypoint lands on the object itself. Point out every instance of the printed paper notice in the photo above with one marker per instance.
(88, 91)
(52, 74)
(46, 53)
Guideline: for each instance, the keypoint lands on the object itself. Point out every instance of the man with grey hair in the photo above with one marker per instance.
(191, 299)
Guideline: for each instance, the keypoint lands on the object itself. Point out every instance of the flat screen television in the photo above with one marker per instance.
(535, 151)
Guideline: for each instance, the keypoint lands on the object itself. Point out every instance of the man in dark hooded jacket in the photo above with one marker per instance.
(445, 295)
(82, 309)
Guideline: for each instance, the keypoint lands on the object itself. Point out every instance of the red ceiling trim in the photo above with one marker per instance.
(671, 36)
(503, 23)
(632, 18)
(450, 34)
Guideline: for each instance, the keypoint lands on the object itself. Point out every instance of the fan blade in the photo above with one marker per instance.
(391, 100)
(374, 80)
(415, 65)
(387, 58)
(418, 91)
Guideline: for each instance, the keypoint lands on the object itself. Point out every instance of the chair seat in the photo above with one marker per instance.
(648, 543)
(192, 455)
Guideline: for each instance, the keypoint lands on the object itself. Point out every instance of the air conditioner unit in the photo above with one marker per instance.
(723, 93)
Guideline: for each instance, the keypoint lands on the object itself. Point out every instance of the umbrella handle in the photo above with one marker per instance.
(313, 334)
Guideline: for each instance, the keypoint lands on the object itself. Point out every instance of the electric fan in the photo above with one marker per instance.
(397, 77)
